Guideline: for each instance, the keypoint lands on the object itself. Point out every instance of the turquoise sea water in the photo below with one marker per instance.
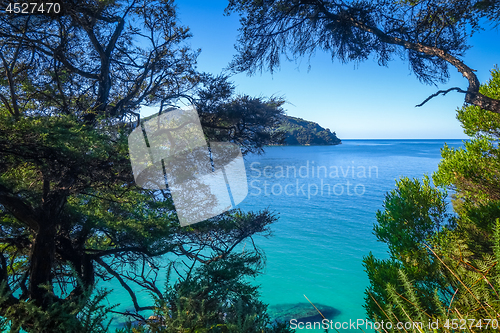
(326, 198)
(321, 237)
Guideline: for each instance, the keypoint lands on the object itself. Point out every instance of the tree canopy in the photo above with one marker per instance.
(69, 209)
(430, 35)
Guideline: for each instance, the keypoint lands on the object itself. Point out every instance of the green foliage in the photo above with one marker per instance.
(302, 132)
(473, 172)
(430, 35)
(247, 121)
(70, 212)
(354, 31)
(444, 268)
(212, 298)
(85, 315)
(475, 121)
(413, 213)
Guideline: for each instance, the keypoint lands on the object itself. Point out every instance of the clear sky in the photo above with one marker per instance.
(365, 101)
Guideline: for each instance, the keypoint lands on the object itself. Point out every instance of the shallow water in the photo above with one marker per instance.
(326, 198)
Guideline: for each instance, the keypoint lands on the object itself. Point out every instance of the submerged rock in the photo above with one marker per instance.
(301, 311)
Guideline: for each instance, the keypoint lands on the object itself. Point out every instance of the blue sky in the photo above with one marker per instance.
(357, 102)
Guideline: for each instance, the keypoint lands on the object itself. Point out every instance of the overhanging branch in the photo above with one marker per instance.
(473, 96)
(444, 92)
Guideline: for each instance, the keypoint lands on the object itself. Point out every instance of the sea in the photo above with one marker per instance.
(326, 199)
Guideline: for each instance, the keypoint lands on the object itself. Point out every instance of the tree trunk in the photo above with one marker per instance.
(42, 259)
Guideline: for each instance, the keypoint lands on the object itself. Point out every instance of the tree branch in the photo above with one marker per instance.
(10, 79)
(473, 96)
(444, 92)
(124, 285)
(18, 208)
(11, 300)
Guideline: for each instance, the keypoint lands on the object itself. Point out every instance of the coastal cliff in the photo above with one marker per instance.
(302, 132)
